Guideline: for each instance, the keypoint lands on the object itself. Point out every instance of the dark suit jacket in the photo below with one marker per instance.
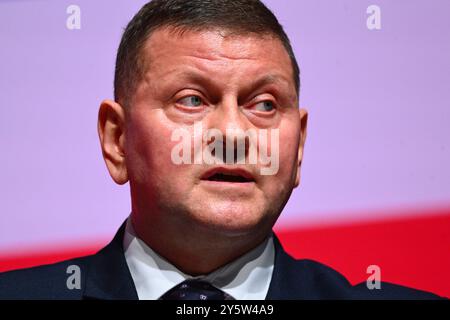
(105, 275)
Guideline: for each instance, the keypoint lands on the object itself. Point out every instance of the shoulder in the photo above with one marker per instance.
(308, 279)
(53, 281)
(331, 284)
(103, 275)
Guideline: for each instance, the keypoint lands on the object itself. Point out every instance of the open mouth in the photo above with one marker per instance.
(227, 175)
(228, 178)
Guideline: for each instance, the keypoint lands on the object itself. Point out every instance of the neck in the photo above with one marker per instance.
(195, 251)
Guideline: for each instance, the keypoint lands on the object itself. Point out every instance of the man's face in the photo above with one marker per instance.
(203, 78)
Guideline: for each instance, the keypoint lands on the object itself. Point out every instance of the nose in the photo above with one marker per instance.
(235, 128)
(228, 115)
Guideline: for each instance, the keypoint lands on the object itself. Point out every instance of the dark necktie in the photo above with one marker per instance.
(195, 290)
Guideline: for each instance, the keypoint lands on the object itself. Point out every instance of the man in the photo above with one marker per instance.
(205, 126)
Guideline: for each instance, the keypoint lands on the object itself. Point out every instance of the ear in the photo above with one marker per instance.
(111, 131)
(301, 146)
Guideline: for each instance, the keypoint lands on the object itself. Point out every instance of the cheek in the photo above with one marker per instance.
(287, 160)
(149, 150)
(289, 143)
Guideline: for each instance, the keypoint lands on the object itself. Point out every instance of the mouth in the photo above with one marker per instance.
(228, 175)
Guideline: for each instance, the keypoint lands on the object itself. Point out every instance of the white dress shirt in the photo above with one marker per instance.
(246, 278)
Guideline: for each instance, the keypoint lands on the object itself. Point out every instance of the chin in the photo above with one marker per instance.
(233, 219)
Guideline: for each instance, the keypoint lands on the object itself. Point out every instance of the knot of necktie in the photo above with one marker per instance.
(195, 290)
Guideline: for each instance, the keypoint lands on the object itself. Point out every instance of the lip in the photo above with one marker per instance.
(228, 171)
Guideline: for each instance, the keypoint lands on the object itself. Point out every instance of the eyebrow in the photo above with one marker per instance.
(267, 79)
(270, 79)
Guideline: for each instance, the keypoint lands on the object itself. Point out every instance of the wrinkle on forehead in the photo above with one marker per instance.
(220, 36)
(210, 51)
(218, 46)
(217, 56)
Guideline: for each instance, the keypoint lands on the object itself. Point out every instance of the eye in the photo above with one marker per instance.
(191, 101)
(265, 106)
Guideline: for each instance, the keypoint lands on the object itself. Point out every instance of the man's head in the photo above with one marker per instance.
(219, 65)
(249, 17)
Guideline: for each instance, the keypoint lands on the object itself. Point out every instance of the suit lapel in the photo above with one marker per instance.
(288, 280)
(108, 276)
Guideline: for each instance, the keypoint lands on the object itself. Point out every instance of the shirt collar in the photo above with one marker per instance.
(246, 278)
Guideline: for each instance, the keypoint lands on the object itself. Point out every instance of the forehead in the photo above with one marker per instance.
(216, 50)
